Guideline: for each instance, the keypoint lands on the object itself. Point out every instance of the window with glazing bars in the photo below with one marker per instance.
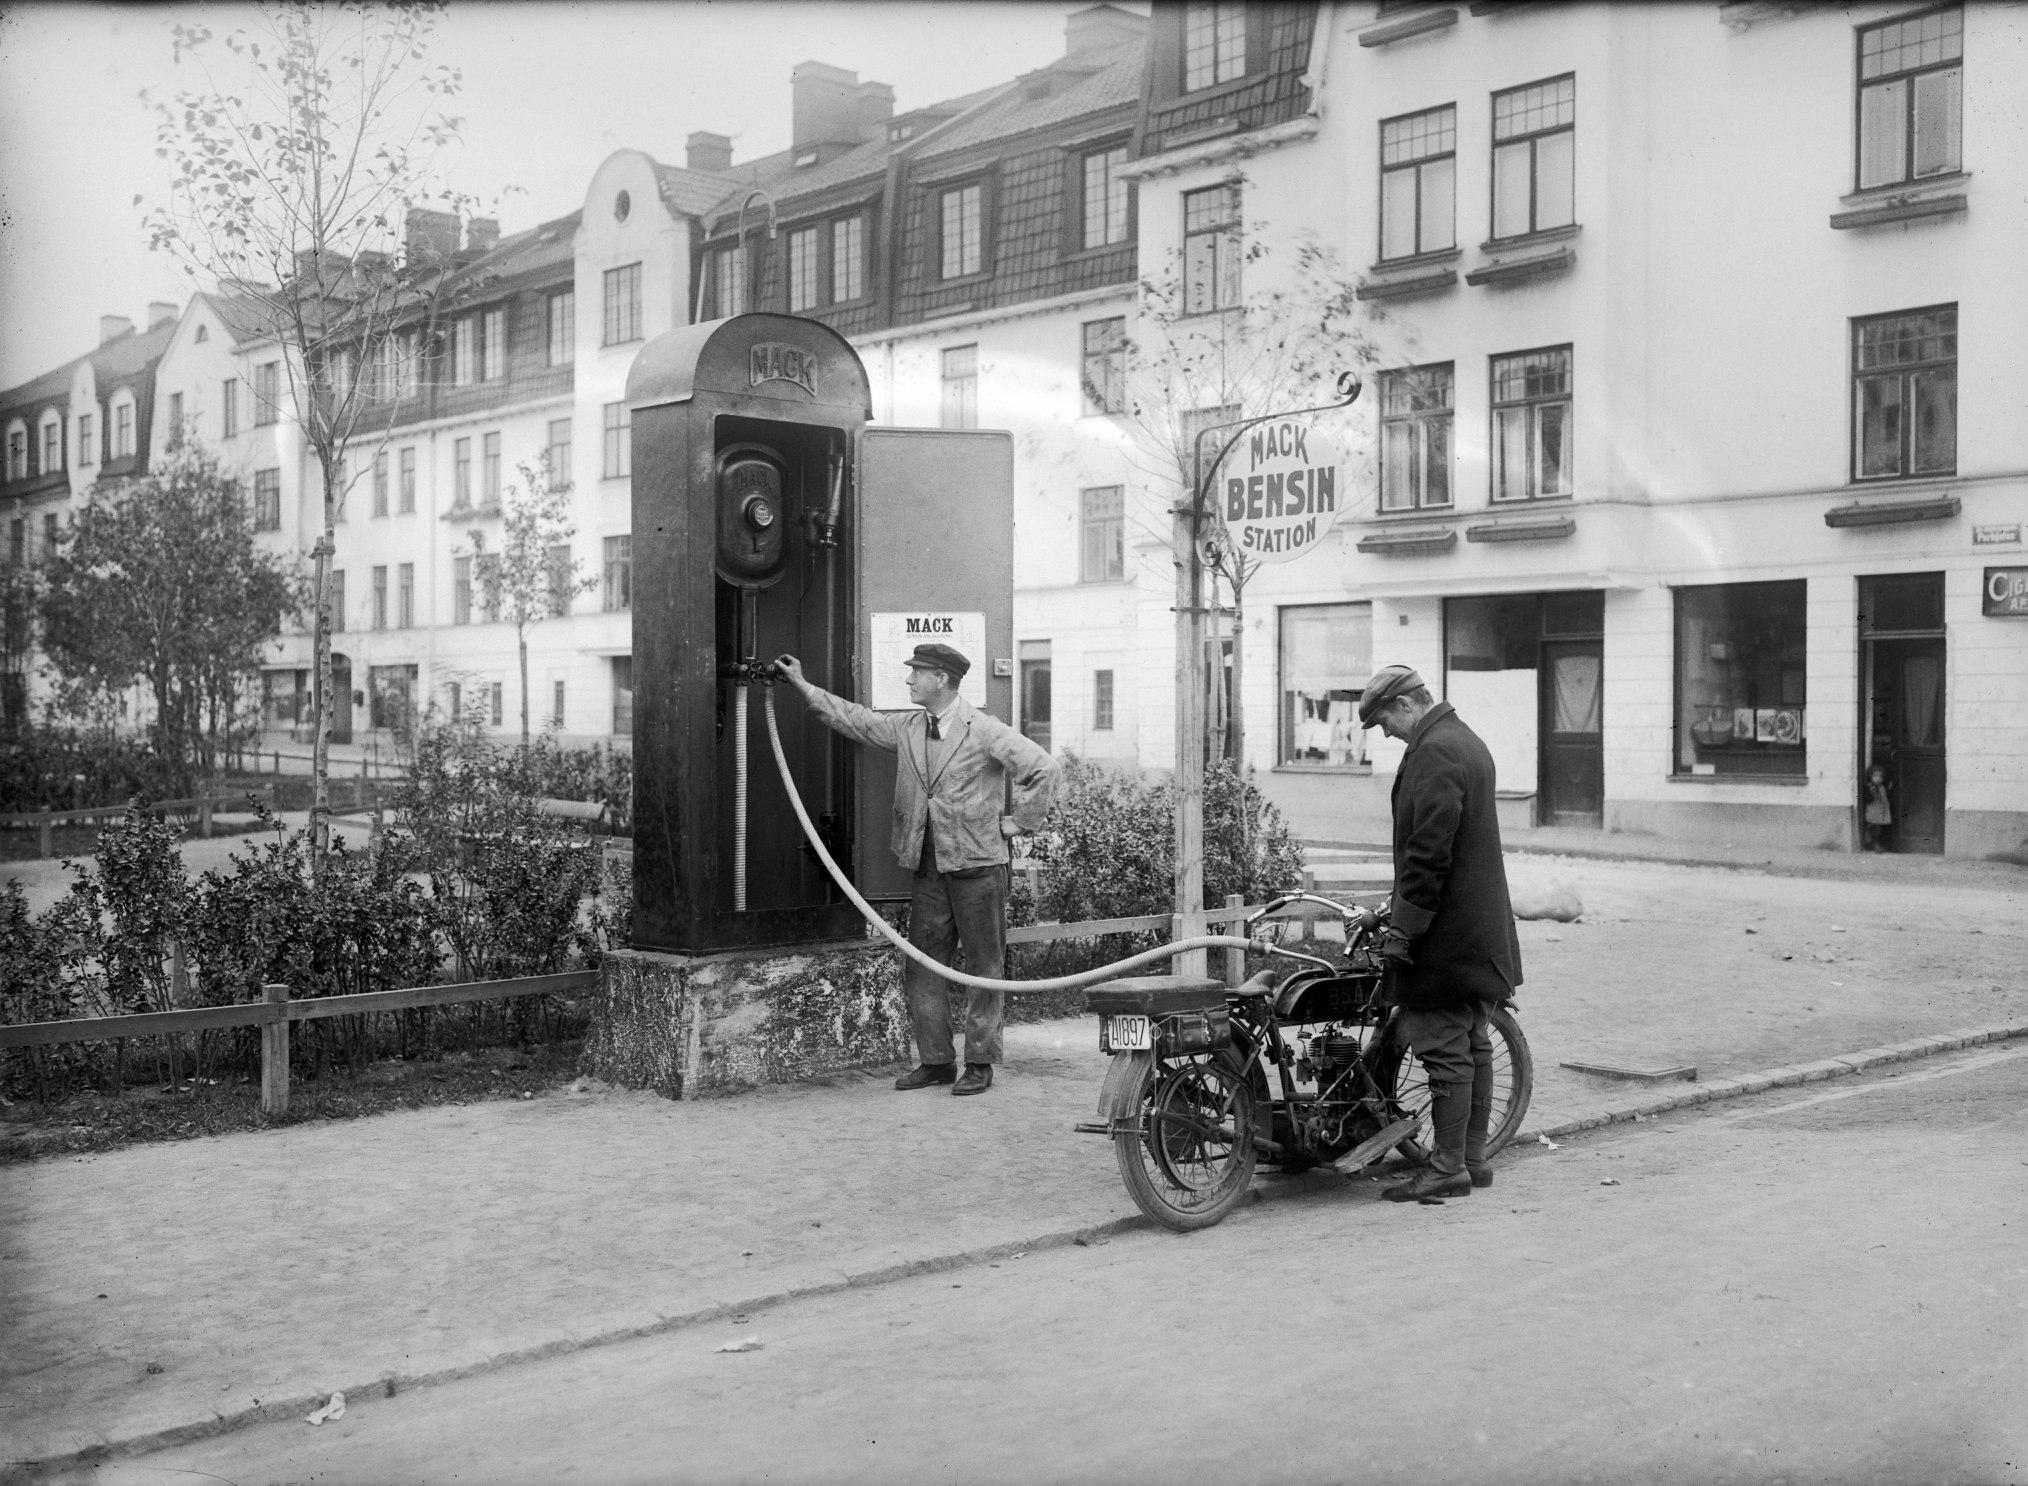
(961, 387)
(406, 495)
(87, 440)
(728, 281)
(380, 596)
(267, 392)
(803, 280)
(465, 351)
(1534, 157)
(1911, 98)
(556, 569)
(493, 358)
(461, 590)
(1106, 195)
(123, 429)
(380, 483)
(1416, 406)
(558, 451)
(1101, 701)
(1905, 394)
(267, 500)
(563, 328)
(1103, 527)
(1211, 249)
(405, 595)
(1531, 424)
(337, 598)
(52, 445)
(623, 305)
(490, 470)
(461, 474)
(1419, 183)
(848, 259)
(17, 453)
(1214, 44)
(228, 407)
(619, 441)
(1105, 365)
(617, 590)
(963, 222)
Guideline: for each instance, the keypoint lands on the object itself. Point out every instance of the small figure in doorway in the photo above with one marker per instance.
(1879, 813)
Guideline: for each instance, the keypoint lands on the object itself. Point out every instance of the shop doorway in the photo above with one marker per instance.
(1035, 692)
(1527, 671)
(1903, 730)
(1572, 785)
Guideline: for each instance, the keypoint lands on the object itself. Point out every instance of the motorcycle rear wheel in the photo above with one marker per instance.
(1189, 1158)
(1401, 1073)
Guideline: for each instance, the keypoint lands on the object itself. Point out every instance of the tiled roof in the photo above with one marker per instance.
(1117, 82)
(694, 192)
(111, 362)
(545, 245)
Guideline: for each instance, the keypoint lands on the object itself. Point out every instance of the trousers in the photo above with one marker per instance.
(946, 910)
(1454, 1042)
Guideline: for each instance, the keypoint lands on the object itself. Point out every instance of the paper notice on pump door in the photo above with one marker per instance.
(894, 639)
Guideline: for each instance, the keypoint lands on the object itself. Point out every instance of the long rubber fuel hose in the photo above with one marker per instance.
(866, 909)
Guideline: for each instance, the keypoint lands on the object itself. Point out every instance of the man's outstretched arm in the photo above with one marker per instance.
(861, 724)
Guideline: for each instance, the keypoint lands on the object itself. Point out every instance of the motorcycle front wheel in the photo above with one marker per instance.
(1186, 1150)
(1400, 1073)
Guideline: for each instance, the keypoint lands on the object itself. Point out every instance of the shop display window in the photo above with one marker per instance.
(1741, 679)
(1326, 660)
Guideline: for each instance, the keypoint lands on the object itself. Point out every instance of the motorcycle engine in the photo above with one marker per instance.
(1327, 1055)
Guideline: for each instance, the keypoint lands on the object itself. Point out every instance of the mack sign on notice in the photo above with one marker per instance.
(1281, 490)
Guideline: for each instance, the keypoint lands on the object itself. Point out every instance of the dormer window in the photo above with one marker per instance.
(203, 334)
(805, 157)
(1214, 44)
(896, 133)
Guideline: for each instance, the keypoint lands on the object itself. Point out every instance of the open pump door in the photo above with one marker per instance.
(935, 559)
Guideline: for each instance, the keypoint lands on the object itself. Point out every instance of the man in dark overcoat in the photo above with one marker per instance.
(1450, 943)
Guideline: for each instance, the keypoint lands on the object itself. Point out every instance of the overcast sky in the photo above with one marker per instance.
(550, 90)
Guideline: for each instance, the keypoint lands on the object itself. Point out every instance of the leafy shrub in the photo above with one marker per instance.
(50, 768)
(543, 770)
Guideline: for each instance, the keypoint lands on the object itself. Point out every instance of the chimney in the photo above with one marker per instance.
(825, 105)
(160, 312)
(706, 151)
(876, 110)
(1101, 28)
(430, 234)
(112, 327)
(482, 234)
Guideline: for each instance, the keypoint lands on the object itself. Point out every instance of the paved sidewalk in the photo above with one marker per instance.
(169, 1290)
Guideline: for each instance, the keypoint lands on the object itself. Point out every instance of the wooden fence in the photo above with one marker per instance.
(274, 1013)
(44, 822)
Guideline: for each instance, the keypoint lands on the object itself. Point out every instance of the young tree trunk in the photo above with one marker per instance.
(320, 743)
(521, 639)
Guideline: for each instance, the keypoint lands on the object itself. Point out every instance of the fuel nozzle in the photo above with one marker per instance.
(824, 526)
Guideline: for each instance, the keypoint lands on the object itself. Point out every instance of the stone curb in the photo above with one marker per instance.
(1778, 1078)
(387, 1385)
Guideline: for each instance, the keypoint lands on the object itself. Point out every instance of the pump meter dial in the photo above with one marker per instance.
(752, 535)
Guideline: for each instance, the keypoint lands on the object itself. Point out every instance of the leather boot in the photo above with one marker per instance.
(1450, 1107)
(1479, 1123)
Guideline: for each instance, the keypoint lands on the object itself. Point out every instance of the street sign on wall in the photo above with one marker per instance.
(1279, 489)
(2006, 592)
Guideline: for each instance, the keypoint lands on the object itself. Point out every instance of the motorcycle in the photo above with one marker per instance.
(1304, 1070)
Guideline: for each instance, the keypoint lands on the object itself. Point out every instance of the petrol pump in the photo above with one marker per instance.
(768, 517)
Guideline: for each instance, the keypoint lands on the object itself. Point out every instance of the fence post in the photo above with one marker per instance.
(46, 834)
(275, 1056)
(204, 816)
(1235, 959)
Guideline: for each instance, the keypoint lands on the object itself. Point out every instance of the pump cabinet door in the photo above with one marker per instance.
(935, 543)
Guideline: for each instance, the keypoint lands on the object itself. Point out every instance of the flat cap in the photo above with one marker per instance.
(1388, 683)
(938, 657)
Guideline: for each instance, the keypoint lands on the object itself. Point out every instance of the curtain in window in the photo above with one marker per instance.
(1575, 682)
(1922, 701)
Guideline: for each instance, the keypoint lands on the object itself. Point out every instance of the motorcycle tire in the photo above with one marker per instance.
(1189, 1157)
(1400, 1072)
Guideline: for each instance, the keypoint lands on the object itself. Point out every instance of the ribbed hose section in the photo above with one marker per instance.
(957, 977)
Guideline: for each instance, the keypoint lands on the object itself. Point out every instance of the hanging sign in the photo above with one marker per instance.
(1279, 488)
(894, 638)
(2006, 592)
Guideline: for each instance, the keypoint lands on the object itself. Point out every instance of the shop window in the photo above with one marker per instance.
(1741, 679)
(1326, 661)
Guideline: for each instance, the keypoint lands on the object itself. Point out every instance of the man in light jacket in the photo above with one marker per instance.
(953, 772)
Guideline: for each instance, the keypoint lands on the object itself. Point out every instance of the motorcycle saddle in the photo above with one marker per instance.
(1154, 995)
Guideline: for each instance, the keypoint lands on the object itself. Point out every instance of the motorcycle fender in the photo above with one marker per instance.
(1116, 1094)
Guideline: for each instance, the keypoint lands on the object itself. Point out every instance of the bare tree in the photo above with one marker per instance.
(294, 166)
(533, 575)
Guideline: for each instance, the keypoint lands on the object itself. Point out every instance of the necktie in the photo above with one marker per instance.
(934, 731)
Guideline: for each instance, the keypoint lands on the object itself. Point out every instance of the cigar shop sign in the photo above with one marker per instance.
(1279, 489)
(2007, 592)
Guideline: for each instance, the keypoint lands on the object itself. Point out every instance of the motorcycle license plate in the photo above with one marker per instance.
(1128, 1034)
